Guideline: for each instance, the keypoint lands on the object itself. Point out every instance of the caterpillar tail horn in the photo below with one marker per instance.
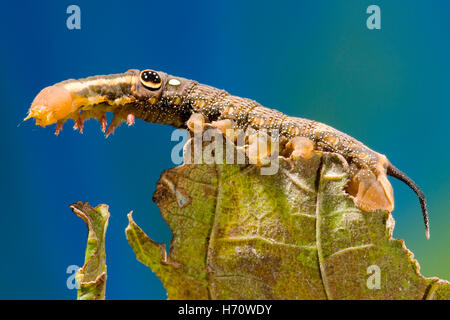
(396, 173)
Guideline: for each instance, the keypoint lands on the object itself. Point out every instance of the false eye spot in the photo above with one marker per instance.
(150, 79)
(174, 82)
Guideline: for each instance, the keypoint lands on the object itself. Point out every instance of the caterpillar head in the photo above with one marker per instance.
(149, 95)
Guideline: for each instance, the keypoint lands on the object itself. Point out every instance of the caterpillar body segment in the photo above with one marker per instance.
(157, 97)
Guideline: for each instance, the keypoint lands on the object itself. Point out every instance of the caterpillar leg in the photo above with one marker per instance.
(259, 148)
(370, 191)
(227, 127)
(222, 125)
(255, 144)
(196, 123)
(300, 147)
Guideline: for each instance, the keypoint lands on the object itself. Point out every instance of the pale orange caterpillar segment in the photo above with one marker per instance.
(371, 192)
(50, 105)
(259, 149)
(301, 147)
(196, 123)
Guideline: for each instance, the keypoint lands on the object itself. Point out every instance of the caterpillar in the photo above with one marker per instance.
(157, 97)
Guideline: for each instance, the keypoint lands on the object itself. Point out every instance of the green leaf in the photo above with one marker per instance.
(238, 234)
(91, 278)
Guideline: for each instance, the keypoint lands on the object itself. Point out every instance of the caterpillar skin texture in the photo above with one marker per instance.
(157, 97)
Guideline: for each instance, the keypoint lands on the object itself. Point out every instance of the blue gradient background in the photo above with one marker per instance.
(316, 59)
